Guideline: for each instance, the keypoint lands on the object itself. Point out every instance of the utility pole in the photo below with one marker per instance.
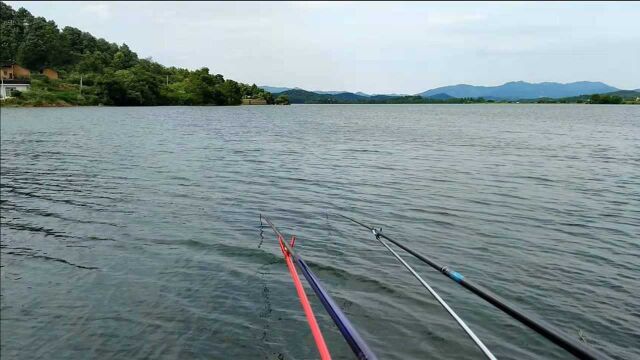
(167, 80)
(80, 85)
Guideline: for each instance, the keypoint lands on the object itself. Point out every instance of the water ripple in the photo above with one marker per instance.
(134, 232)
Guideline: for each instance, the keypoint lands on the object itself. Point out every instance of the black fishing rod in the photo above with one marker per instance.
(543, 328)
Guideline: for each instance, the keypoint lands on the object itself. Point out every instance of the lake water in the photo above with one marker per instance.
(133, 233)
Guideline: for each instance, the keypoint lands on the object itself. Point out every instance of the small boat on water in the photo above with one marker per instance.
(358, 345)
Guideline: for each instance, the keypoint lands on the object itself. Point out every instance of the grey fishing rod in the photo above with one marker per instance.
(543, 328)
(435, 295)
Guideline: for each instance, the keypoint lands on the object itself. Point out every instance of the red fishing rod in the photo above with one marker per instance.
(348, 331)
(304, 301)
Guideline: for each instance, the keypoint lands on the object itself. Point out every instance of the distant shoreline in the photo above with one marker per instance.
(65, 106)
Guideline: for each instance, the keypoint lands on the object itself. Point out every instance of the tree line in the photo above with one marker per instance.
(111, 74)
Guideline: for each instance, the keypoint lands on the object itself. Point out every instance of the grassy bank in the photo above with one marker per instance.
(54, 93)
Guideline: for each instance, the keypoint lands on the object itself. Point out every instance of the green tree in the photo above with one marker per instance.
(40, 44)
(268, 97)
(200, 87)
(282, 100)
(228, 93)
(605, 99)
(11, 31)
(95, 62)
(124, 58)
(130, 87)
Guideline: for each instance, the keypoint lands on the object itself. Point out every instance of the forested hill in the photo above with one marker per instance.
(112, 74)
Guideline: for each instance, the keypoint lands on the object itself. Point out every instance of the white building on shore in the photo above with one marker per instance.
(13, 77)
(7, 87)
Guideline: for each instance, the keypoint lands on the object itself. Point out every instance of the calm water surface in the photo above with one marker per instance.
(131, 233)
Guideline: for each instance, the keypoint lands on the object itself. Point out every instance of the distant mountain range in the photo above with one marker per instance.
(522, 90)
(509, 91)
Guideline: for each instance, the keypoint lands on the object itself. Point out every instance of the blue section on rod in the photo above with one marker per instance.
(456, 276)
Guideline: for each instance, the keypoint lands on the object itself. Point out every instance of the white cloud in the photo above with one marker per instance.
(319, 4)
(454, 19)
(100, 9)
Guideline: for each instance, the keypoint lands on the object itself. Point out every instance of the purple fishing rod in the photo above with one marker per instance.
(348, 331)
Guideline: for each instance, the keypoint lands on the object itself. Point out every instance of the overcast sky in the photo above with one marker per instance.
(373, 47)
